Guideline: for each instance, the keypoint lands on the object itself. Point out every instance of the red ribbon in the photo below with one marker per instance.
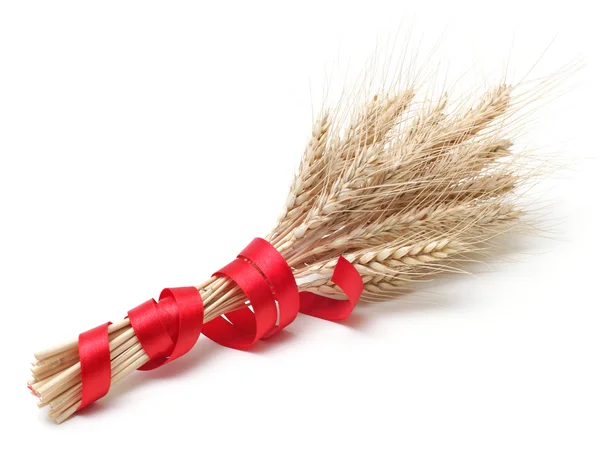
(94, 354)
(169, 328)
(265, 277)
(349, 281)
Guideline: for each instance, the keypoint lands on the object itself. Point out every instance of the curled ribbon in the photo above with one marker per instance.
(169, 328)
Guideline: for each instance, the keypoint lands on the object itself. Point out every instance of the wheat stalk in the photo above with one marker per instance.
(404, 189)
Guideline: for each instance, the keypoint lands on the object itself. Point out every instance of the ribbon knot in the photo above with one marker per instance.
(169, 328)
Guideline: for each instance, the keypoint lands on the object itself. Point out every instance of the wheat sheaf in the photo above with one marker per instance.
(403, 186)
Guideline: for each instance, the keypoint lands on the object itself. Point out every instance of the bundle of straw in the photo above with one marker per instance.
(402, 188)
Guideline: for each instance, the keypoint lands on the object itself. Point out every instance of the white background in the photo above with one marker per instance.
(143, 144)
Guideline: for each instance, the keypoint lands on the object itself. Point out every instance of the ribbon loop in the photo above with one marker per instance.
(349, 281)
(244, 327)
(279, 274)
(94, 357)
(170, 328)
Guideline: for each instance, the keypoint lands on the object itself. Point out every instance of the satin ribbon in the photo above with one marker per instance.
(349, 281)
(94, 355)
(169, 328)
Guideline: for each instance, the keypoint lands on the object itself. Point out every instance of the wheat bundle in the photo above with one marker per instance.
(402, 188)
